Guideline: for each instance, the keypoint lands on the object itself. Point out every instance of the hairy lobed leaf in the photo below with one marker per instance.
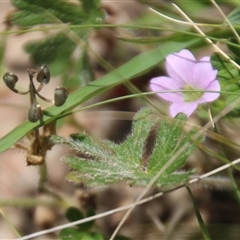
(105, 162)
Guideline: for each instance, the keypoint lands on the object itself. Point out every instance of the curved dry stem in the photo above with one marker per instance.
(40, 87)
(43, 98)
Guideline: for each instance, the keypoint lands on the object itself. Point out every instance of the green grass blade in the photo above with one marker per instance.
(199, 217)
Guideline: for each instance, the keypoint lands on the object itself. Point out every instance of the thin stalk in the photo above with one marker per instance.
(43, 176)
(199, 217)
(10, 224)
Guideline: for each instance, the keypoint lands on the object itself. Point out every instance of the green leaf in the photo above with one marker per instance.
(56, 49)
(143, 123)
(233, 17)
(169, 133)
(93, 8)
(29, 18)
(70, 234)
(25, 5)
(230, 99)
(108, 162)
(234, 48)
(90, 212)
(90, 5)
(42, 12)
(76, 234)
(97, 236)
(135, 67)
(73, 214)
(226, 71)
(229, 78)
(104, 162)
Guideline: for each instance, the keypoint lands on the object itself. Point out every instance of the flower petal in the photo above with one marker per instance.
(205, 59)
(208, 96)
(203, 75)
(180, 66)
(183, 107)
(164, 84)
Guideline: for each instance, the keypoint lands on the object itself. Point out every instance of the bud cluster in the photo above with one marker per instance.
(43, 77)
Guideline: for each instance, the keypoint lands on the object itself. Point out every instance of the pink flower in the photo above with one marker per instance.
(186, 73)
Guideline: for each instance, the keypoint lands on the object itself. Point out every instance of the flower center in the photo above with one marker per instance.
(191, 96)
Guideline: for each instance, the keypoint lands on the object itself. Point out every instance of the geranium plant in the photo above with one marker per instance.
(158, 152)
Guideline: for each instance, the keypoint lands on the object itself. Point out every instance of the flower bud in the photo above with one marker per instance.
(34, 113)
(43, 74)
(10, 80)
(60, 96)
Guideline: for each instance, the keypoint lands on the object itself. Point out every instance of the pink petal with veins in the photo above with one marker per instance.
(208, 96)
(183, 107)
(180, 66)
(203, 75)
(164, 84)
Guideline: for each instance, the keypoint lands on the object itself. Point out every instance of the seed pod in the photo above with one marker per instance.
(43, 74)
(10, 80)
(34, 113)
(60, 96)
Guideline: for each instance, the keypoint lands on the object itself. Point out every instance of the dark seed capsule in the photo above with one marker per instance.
(34, 113)
(43, 74)
(60, 96)
(10, 80)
